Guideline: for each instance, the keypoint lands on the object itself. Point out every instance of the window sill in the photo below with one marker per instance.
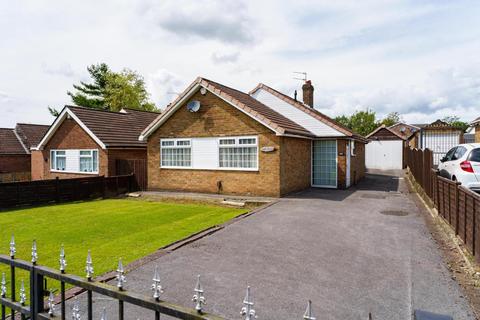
(74, 172)
(210, 169)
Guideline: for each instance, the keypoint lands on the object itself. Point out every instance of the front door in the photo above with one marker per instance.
(324, 163)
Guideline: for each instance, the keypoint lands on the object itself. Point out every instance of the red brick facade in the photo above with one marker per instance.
(70, 135)
(14, 163)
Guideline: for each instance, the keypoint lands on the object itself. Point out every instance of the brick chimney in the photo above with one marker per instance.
(307, 89)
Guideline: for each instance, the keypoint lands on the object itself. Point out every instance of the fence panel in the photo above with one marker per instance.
(459, 206)
(15, 194)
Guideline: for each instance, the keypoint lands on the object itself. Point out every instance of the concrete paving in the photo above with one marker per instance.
(333, 247)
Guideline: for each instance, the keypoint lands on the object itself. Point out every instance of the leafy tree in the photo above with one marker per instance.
(455, 121)
(127, 89)
(343, 120)
(110, 91)
(391, 119)
(362, 122)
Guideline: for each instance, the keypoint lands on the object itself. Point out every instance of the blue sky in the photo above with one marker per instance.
(419, 58)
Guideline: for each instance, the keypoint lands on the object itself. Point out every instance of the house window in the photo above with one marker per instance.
(176, 153)
(88, 161)
(58, 160)
(238, 153)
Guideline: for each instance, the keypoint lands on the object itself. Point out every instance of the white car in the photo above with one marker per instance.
(462, 164)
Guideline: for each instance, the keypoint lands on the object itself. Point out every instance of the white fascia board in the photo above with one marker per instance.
(59, 121)
(190, 93)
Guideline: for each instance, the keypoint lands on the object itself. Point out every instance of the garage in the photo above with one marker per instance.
(384, 150)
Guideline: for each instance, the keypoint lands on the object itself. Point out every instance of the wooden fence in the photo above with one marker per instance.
(457, 205)
(29, 193)
(138, 167)
(420, 163)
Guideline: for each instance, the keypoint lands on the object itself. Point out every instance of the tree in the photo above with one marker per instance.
(92, 95)
(455, 121)
(361, 122)
(391, 119)
(111, 91)
(127, 89)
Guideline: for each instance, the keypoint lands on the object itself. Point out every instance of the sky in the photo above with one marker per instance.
(419, 58)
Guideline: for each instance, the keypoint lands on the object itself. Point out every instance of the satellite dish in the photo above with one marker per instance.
(193, 106)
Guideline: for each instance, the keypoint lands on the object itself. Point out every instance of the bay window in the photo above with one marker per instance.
(176, 153)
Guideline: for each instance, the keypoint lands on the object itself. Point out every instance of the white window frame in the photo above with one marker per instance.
(176, 146)
(352, 148)
(80, 156)
(52, 151)
(238, 145)
(53, 160)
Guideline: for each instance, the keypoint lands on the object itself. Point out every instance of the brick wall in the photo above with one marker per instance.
(14, 163)
(296, 164)
(357, 163)
(215, 118)
(477, 134)
(68, 136)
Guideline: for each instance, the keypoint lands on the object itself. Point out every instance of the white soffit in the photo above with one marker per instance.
(313, 125)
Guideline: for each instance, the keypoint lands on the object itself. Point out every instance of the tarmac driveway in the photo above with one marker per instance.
(333, 247)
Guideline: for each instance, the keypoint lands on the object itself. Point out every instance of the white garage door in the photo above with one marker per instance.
(384, 155)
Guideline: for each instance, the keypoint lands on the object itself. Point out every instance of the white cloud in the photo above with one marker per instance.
(63, 69)
(220, 58)
(225, 21)
(415, 57)
(164, 87)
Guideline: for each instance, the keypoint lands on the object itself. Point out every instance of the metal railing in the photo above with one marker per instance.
(36, 307)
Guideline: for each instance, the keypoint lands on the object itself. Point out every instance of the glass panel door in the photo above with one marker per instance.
(324, 163)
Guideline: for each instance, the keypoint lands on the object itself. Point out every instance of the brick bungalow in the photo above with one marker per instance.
(84, 142)
(15, 158)
(216, 139)
(476, 124)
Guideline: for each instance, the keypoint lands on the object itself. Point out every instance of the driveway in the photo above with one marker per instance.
(350, 252)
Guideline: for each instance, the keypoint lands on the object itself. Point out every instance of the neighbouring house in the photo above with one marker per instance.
(15, 144)
(84, 142)
(217, 139)
(439, 137)
(385, 150)
(476, 129)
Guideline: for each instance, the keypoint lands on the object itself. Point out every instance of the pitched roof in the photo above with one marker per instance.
(441, 125)
(109, 129)
(278, 121)
(10, 143)
(242, 101)
(404, 130)
(308, 110)
(476, 121)
(31, 134)
(384, 127)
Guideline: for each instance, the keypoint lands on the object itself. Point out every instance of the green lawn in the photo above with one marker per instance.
(111, 229)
